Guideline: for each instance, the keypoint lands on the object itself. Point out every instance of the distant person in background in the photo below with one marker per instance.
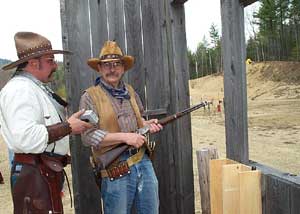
(249, 61)
(34, 126)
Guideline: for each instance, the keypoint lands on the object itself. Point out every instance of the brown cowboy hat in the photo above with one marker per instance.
(111, 52)
(31, 45)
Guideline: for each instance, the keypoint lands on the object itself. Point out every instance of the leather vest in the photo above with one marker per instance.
(108, 119)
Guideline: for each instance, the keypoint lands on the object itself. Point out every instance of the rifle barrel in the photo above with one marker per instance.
(169, 119)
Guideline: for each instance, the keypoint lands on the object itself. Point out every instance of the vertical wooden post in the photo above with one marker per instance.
(203, 158)
(235, 88)
(179, 136)
(76, 38)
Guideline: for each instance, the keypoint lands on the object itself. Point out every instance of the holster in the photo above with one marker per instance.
(96, 172)
(37, 188)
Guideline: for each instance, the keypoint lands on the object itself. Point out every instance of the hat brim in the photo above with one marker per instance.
(128, 62)
(25, 59)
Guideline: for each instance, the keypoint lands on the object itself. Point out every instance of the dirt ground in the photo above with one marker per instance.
(273, 122)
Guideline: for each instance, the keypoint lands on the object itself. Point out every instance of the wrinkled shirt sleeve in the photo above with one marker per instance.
(23, 121)
(93, 136)
(139, 103)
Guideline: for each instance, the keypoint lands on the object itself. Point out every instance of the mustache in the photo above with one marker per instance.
(112, 74)
(52, 71)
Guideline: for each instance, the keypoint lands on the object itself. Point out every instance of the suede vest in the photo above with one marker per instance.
(107, 117)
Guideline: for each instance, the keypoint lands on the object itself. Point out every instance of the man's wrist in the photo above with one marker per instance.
(58, 131)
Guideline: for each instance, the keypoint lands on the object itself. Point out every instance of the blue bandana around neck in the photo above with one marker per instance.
(119, 93)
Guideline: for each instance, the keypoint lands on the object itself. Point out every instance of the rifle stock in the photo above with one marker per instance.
(108, 157)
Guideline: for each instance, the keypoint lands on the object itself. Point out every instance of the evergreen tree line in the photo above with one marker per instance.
(207, 58)
(278, 34)
(275, 36)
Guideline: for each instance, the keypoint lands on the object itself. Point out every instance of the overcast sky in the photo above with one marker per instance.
(43, 17)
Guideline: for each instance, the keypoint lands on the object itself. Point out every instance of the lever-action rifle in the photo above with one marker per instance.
(108, 157)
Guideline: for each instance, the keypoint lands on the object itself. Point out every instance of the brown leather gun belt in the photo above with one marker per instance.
(32, 159)
(123, 168)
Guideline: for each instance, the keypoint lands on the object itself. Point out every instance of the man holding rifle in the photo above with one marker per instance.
(131, 177)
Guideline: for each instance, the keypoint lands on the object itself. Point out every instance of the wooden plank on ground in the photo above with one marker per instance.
(250, 192)
(231, 187)
(216, 198)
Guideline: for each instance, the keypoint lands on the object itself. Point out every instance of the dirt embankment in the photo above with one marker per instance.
(265, 80)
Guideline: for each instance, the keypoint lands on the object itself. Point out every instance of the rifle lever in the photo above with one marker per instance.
(143, 131)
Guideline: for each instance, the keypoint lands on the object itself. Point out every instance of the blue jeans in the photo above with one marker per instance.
(139, 188)
(10, 157)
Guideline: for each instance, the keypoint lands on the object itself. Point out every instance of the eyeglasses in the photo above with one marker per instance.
(50, 61)
(110, 65)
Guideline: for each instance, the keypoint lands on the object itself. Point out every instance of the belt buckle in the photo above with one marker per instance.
(133, 151)
(118, 171)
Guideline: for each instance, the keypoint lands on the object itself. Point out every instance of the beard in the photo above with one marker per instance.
(50, 76)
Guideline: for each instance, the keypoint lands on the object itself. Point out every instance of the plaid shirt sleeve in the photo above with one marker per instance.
(139, 103)
(93, 136)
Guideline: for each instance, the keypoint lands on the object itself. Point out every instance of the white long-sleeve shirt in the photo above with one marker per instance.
(25, 111)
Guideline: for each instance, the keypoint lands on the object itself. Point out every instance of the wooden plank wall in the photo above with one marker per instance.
(154, 33)
(280, 191)
(76, 37)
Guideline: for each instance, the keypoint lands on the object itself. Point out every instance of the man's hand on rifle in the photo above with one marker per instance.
(153, 124)
(134, 139)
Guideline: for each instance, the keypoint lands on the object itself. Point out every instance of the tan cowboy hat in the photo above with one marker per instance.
(111, 52)
(31, 45)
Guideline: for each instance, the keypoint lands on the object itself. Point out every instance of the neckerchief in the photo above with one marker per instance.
(120, 93)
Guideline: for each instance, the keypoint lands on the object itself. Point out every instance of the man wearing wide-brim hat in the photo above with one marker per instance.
(34, 126)
(119, 109)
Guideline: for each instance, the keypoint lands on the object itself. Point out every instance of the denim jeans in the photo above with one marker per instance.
(139, 188)
(15, 172)
(10, 157)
